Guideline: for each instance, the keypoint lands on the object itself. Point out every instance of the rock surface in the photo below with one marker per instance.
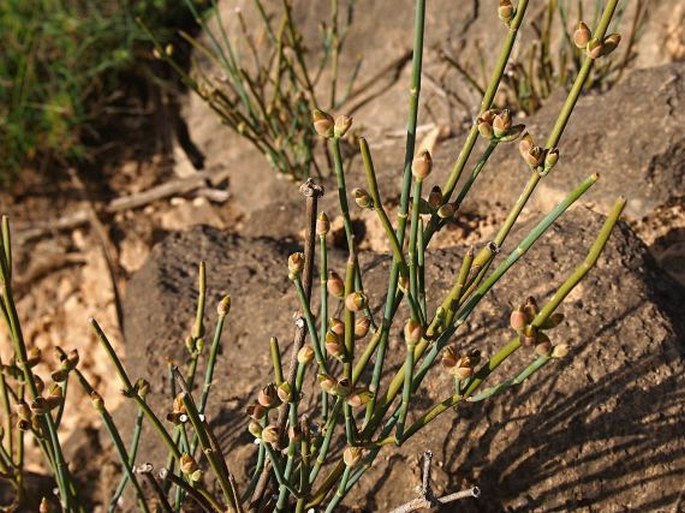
(599, 430)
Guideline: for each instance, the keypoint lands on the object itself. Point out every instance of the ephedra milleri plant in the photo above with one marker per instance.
(309, 457)
(263, 87)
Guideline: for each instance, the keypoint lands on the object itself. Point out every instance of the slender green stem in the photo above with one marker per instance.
(323, 316)
(116, 438)
(413, 253)
(202, 430)
(486, 103)
(211, 361)
(276, 360)
(311, 325)
(341, 490)
(132, 453)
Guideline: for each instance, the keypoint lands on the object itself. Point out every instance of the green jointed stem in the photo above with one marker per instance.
(562, 292)
(413, 254)
(351, 269)
(341, 490)
(211, 362)
(132, 453)
(486, 103)
(131, 392)
(323, 315)
(202, 431)
(468, 307)
(406, 390)
(531, 369)
(126, 460)
(559, 125)
(198, 327)
(311, 325)
(276, 360)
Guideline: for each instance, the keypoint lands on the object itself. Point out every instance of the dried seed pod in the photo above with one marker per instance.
(352, 456)
(446, 211)
(342, 125)
(323, 123)
(359, 398)
(559, 351)
(336, 326)
(295, 265)
(582, 35)
(361, 327)
(517, 320)
(543, 345)
(334, 345)
(505, 11)
(435, 197)
(450, 357)
(484, 124)
(327, 383)
(224, 306)
(268, 396)
(343, 387)
(362, 198)
(530, 308)
(33, 357)
(502, 123)
(97, 400)
(256, 411)
(356, 301)
(187, 464)
(22, 410)
(305, 355)
(534, 157)
(323, 225)
(610, 43)
(255, 429)
(422, 165)
(335, 285)
(526, 144)
(284, 391)
(412, 332)
(270, 435)
(551, 158)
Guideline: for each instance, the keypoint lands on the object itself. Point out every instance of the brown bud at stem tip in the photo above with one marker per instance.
(335, 285)
(337, 326)
(582, 35)
(502, 123)
(551, 159)
(255, 429)
(334, 346)
(505, 11)
(224, 306)
(323, 225)
(323, 123)
(305, 355)
(187, 464)
(517, 319)
(295, 265)
(450, 357)
(422, 165)
(33, 357)
(268, 397)
(256, 411)
(361, 327)
(270, 435)
(327, 383)
(435, 197)
(356, 301)
(362, 198)
(412, 332)
(342, 125)
(559, 351)
(352, 456)
(446, 211)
